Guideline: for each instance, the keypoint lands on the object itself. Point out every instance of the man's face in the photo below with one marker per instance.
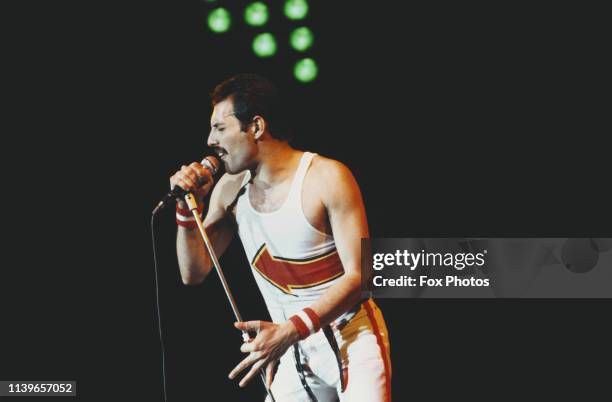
(235, 148)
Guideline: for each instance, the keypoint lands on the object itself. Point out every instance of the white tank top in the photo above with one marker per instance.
(293, 262)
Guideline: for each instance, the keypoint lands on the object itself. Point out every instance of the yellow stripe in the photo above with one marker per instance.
(384, 333)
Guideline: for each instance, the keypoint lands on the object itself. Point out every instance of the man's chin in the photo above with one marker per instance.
(229, 170)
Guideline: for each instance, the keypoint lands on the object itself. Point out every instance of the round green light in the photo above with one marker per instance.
(264, 45)
(306, 70)
(301, 38)
(296, 9)
(256, 14)
(219, 20)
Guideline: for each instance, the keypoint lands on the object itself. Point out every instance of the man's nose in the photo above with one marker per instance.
(212, 141)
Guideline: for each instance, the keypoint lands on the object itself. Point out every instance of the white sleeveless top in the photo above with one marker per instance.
(293, 262)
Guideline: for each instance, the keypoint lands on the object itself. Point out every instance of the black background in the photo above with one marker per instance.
(456, 119)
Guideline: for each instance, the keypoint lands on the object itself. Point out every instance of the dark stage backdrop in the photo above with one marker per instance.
(457, 120)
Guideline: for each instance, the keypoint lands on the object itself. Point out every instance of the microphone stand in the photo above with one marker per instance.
(193, 207)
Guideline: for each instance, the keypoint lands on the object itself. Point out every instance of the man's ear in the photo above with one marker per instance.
(259, 126)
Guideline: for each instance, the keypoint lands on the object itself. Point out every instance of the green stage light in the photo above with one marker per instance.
(296, 9)
(264, 45)
(219, 20)
(256, 14)
(306, 70)
(301, 38)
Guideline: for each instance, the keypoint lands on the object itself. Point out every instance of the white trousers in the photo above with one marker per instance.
(364, 350)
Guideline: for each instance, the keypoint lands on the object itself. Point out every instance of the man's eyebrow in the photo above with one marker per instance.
(218, 123)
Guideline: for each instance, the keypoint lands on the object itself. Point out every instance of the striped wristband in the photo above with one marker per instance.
(306, 322)
(185, 218)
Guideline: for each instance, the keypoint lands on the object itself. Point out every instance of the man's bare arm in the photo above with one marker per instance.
(193, 259)
(344, 204)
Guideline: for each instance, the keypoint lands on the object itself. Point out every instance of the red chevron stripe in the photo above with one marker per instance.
(287, 274)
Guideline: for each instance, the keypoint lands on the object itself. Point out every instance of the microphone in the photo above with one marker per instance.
(211, 163)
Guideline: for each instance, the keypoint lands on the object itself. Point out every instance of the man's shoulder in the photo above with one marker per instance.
(331, 180)
(328, 170)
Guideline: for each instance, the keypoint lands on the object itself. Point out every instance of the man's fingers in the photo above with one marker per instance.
(246, 362)
(198, 175)
(270, 373)
(203, 173)
(241, 366)
(248, 325)
(245, 380)
(248, 347)
(186, 183)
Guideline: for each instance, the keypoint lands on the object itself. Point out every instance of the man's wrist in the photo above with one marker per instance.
(292, 333)
(305, 322)
(185, 218)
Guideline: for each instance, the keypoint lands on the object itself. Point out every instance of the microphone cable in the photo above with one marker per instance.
(159, 321)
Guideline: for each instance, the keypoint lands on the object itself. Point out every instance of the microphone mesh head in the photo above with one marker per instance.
(211, 163)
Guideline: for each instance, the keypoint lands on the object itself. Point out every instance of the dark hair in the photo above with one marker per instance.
(255, 95)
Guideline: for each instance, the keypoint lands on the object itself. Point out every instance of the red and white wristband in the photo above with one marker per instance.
(185, 218)
(306, 322)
